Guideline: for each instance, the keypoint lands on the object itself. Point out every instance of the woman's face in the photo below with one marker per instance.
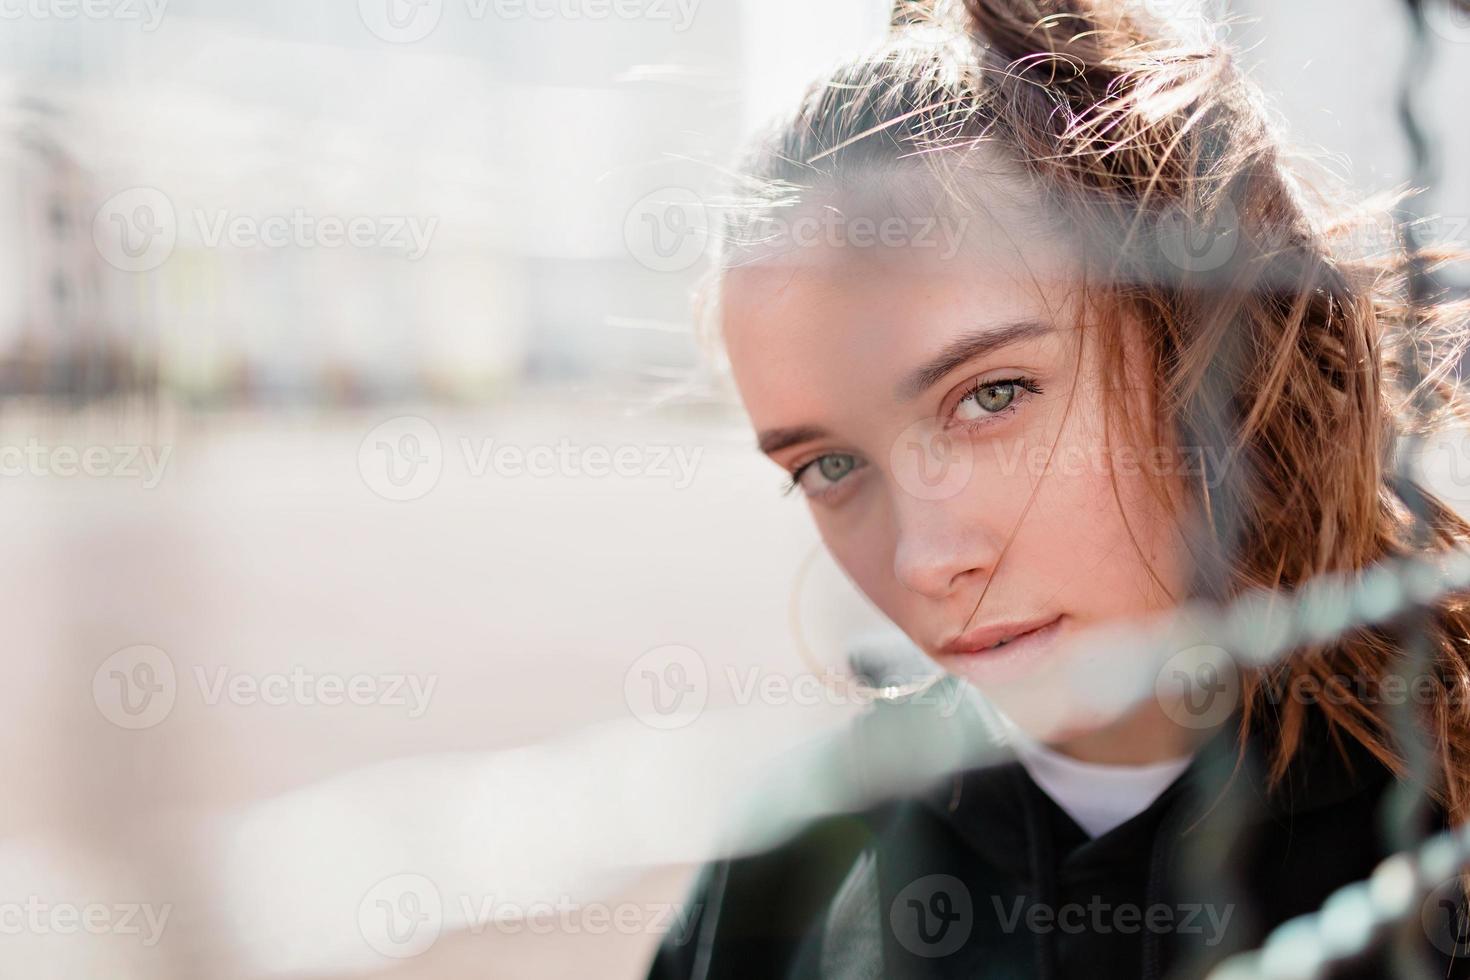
(915, 399)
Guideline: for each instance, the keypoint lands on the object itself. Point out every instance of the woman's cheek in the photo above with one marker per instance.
(865, 555)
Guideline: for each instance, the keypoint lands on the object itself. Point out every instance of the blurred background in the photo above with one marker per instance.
(359, 466)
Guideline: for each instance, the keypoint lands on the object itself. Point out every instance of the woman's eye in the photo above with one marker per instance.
(836, 466)
(986, 400)
(822, 473)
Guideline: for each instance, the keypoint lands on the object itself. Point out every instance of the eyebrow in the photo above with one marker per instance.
(967, 348)
(957, 352)
(775, 440)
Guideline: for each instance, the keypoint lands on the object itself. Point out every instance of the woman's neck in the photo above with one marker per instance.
(1147, 735)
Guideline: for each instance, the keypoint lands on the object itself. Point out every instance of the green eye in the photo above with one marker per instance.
(835, 467)
(824, 472)
(986, 400)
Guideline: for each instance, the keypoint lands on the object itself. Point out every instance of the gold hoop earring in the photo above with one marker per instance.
(889, 693)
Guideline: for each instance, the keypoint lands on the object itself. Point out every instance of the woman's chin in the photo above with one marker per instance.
(1071, 685)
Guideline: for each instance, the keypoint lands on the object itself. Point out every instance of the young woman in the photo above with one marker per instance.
(1047, 225)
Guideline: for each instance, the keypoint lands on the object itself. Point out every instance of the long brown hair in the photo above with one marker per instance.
(1289, 357)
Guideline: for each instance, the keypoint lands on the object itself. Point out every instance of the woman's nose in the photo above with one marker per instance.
(940, 545)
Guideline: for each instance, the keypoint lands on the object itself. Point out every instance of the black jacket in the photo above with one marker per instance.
(983, 875)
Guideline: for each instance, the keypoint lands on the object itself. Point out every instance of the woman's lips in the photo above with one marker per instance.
(1009, 662)
(984, 640)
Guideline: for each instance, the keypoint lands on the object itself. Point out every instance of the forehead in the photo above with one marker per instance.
(827, 305)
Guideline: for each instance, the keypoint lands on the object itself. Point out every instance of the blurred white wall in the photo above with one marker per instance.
(1332, 71)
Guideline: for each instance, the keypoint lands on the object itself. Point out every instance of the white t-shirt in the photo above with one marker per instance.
(1098, 797)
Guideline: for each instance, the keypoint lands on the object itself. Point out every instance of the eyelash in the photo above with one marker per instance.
(1027, 384)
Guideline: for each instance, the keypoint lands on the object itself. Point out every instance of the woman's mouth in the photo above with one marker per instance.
(1003, 653)
(1003, 636)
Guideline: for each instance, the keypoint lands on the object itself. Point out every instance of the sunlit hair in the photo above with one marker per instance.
(1285, 360)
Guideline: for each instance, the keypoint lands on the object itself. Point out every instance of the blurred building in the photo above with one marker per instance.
(524, 147)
